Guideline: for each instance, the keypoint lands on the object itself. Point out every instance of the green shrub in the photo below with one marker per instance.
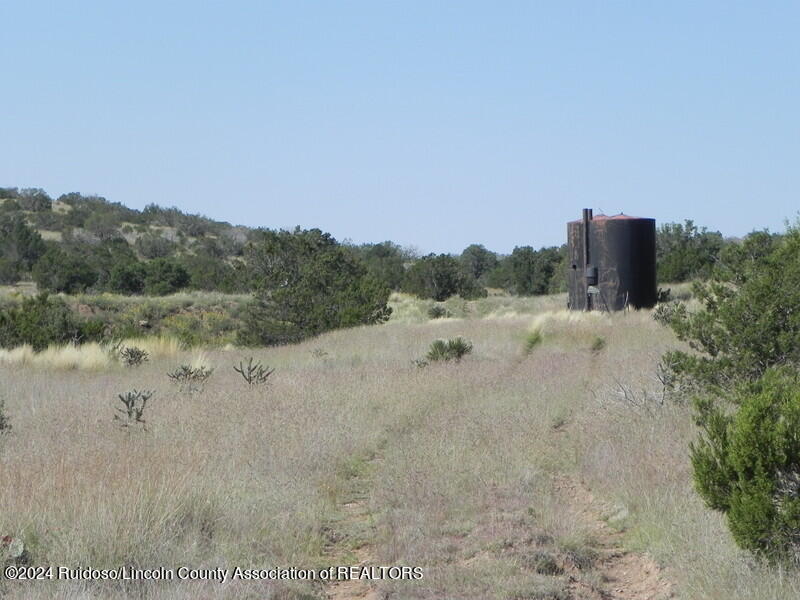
(107, 257)
(544, 563)
(154, 245)
(9, 271)
(528, 272)
(34, 199)
(128, 278)
(199, 328)
(477, 261)
(439, 277)
(207, 272)
(749, 320)
(131, 356)
(42, 321)
(445, 350)
(307, 283)
(533, 339)
(437, 311)
(747, 464)
(59, 271)
(743, 372)
(385, 262)
(737, 260)
(20, 247)
(90, 330)
(164, 276)
(686, 251)
(5, 423)
(598, 343)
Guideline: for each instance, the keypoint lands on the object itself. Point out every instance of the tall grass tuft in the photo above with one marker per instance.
(91, 356)
(161, 346)
(533, 339)
(86, 357)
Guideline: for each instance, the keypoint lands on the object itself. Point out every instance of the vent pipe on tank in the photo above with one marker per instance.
(590, 272)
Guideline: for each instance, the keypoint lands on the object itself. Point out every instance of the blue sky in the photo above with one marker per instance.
(432, 124)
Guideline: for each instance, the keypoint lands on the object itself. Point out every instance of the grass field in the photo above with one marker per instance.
(544, 465)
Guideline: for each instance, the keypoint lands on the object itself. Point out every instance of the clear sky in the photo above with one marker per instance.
(431, 124)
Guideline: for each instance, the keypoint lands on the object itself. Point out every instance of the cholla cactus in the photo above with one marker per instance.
(254, 373)
(190, 379)
(133, 356)
(130, 356)
(134, 402)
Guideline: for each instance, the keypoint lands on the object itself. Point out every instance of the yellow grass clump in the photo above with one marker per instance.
(200, 359)
(161, 346)
(86, 357)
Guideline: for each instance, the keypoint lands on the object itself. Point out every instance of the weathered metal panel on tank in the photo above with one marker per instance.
(617, 267)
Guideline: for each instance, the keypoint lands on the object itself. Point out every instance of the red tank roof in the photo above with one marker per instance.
(619, 217)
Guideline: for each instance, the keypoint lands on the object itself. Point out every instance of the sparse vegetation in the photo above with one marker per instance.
(131, 356)
(437, 311)
(254, 373)
(503, 420)
(445, 350)
(134, 403)
(190, 378)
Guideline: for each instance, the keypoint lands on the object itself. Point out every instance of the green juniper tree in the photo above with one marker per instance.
(307, 283)
(743, 372)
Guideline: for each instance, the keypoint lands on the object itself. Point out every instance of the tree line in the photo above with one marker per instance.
(93, 245)
(105, 247)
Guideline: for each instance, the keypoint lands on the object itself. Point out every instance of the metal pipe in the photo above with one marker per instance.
(587, 217)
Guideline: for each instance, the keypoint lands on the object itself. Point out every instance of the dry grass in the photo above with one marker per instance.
(453, 464)
(88, 357)
(409, 309)
(157, 347)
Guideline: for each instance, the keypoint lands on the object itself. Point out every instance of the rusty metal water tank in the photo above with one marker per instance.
(612, 262)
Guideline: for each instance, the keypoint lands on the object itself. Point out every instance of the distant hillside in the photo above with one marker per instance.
(79, 243)
(152, 232)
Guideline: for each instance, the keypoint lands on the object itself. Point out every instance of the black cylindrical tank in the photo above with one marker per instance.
(621, 269)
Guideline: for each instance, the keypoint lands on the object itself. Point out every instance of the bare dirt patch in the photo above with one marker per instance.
(356, 515)
(350, 537)
(623, 575)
